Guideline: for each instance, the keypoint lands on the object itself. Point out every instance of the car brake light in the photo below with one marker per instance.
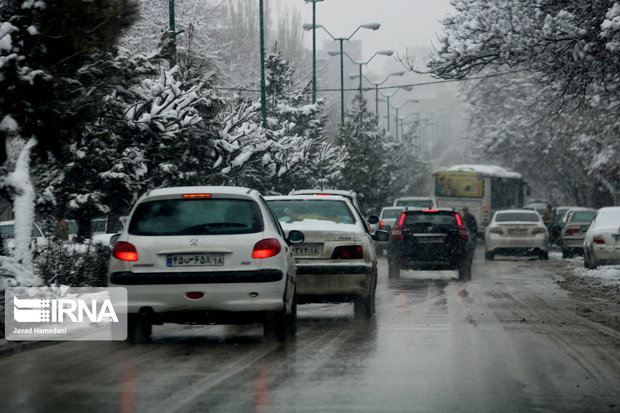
(196, 196)
(573, 231)
(538, 231)
(459, 222)
(496, 230)
(195, 295)
(381, 224)
(430, 210)
(125, 251)
(598, 239)
(348, 252)
(322, 194)
(397, 232)
(401, 221)
(266, 248)
(463, 232)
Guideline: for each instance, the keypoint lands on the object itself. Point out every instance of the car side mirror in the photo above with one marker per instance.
(295, 237)
(381, 235)
(373, 219)
(113, 239)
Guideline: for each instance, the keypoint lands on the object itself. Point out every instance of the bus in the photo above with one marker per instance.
(484, 189)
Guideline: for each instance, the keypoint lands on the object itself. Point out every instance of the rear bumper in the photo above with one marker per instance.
(251, 291)
(334, 283)
(572, 244)
(605, 255)
(496, 244)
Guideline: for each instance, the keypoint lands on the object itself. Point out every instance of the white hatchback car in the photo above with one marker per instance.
(205, 255)
(602, 243)
(516, 231)
(337, 261)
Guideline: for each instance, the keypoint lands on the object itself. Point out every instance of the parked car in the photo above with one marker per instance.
(337, 261)
(415, 202)
(602, 242)
(372, 221)
(430, 239)
(205, 255)
(574, 230)
(387, 218)
(516, 231)
(7, 228)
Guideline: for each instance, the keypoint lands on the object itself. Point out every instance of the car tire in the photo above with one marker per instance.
(566, 254)
(139, 329)
(543, 255)
(465, 270)
(592, 263)
(489, 255)
(281, 324)
(364, 307)
(586, 259)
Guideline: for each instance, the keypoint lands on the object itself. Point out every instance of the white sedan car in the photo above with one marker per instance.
(205, 255)
(602, 243)
(516, 231)
(337, 261)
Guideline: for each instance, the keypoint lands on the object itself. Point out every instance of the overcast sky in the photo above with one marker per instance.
(404, 23)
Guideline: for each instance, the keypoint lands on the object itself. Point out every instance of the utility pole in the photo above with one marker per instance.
(263, 96)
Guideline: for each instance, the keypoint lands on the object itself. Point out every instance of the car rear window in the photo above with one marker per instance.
(289, 211)
(517, 217)
(437, 218)
(391, 213)
(202, 216)
(583, 216)
(417, 203)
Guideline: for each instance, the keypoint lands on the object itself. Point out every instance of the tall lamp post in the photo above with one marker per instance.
(377, 84)
(371, 26)
(314, 2)
(400, 107)
(387, 97)
(361, 63)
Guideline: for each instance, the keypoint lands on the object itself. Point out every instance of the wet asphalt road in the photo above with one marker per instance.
(506, 341)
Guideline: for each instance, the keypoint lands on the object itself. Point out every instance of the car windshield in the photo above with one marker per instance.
(289, 211)
(438, 218)
(8, 231)
(391, 213)
(198, 216)
(415, 203)
(517, 217)
(583, 216)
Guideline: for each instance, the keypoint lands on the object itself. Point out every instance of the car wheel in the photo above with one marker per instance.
(364, 307)
(139, 329)
(592, 262)
(566, 254)
(291, 319)
(543, 255)
(465, 270)
(281, 324)
(489, 255)
(586, 259)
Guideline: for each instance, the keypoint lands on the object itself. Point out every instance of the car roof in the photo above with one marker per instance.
(177, 190)
(414, 198)
(308, 197)
(392, 207)
(323, 191)
(442, 209)
(515, 210)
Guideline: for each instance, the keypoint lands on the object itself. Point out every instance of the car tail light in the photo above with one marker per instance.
(397, 232)
(348, 252)
(266, 248)
(496, 230)
(598, 239)
(573, 231)
(463, 232)
(430, 210)
(538, 231)
(195, 295)
(381, 224)
(459, 221)
(125, 251)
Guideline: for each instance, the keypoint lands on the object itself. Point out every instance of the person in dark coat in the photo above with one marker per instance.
(470, 222)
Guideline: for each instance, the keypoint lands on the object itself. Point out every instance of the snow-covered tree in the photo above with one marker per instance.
(52, 60)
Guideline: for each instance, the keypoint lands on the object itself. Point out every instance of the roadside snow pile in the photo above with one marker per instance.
(609, 274)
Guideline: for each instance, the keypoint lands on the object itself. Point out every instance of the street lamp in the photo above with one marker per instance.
(387, 97)
(314, 2)
(400, 107)
(360, 63)
(377, 84)
(370, 26)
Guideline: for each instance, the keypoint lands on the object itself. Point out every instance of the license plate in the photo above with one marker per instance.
(308, 250)
(430, 240)
(517, 231)
(189, 260)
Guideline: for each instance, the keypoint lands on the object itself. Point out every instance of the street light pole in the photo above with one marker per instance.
(377, 84)
(263, 95)
(408, 88)
(400, 107)
(371, 26)
(313, 47)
